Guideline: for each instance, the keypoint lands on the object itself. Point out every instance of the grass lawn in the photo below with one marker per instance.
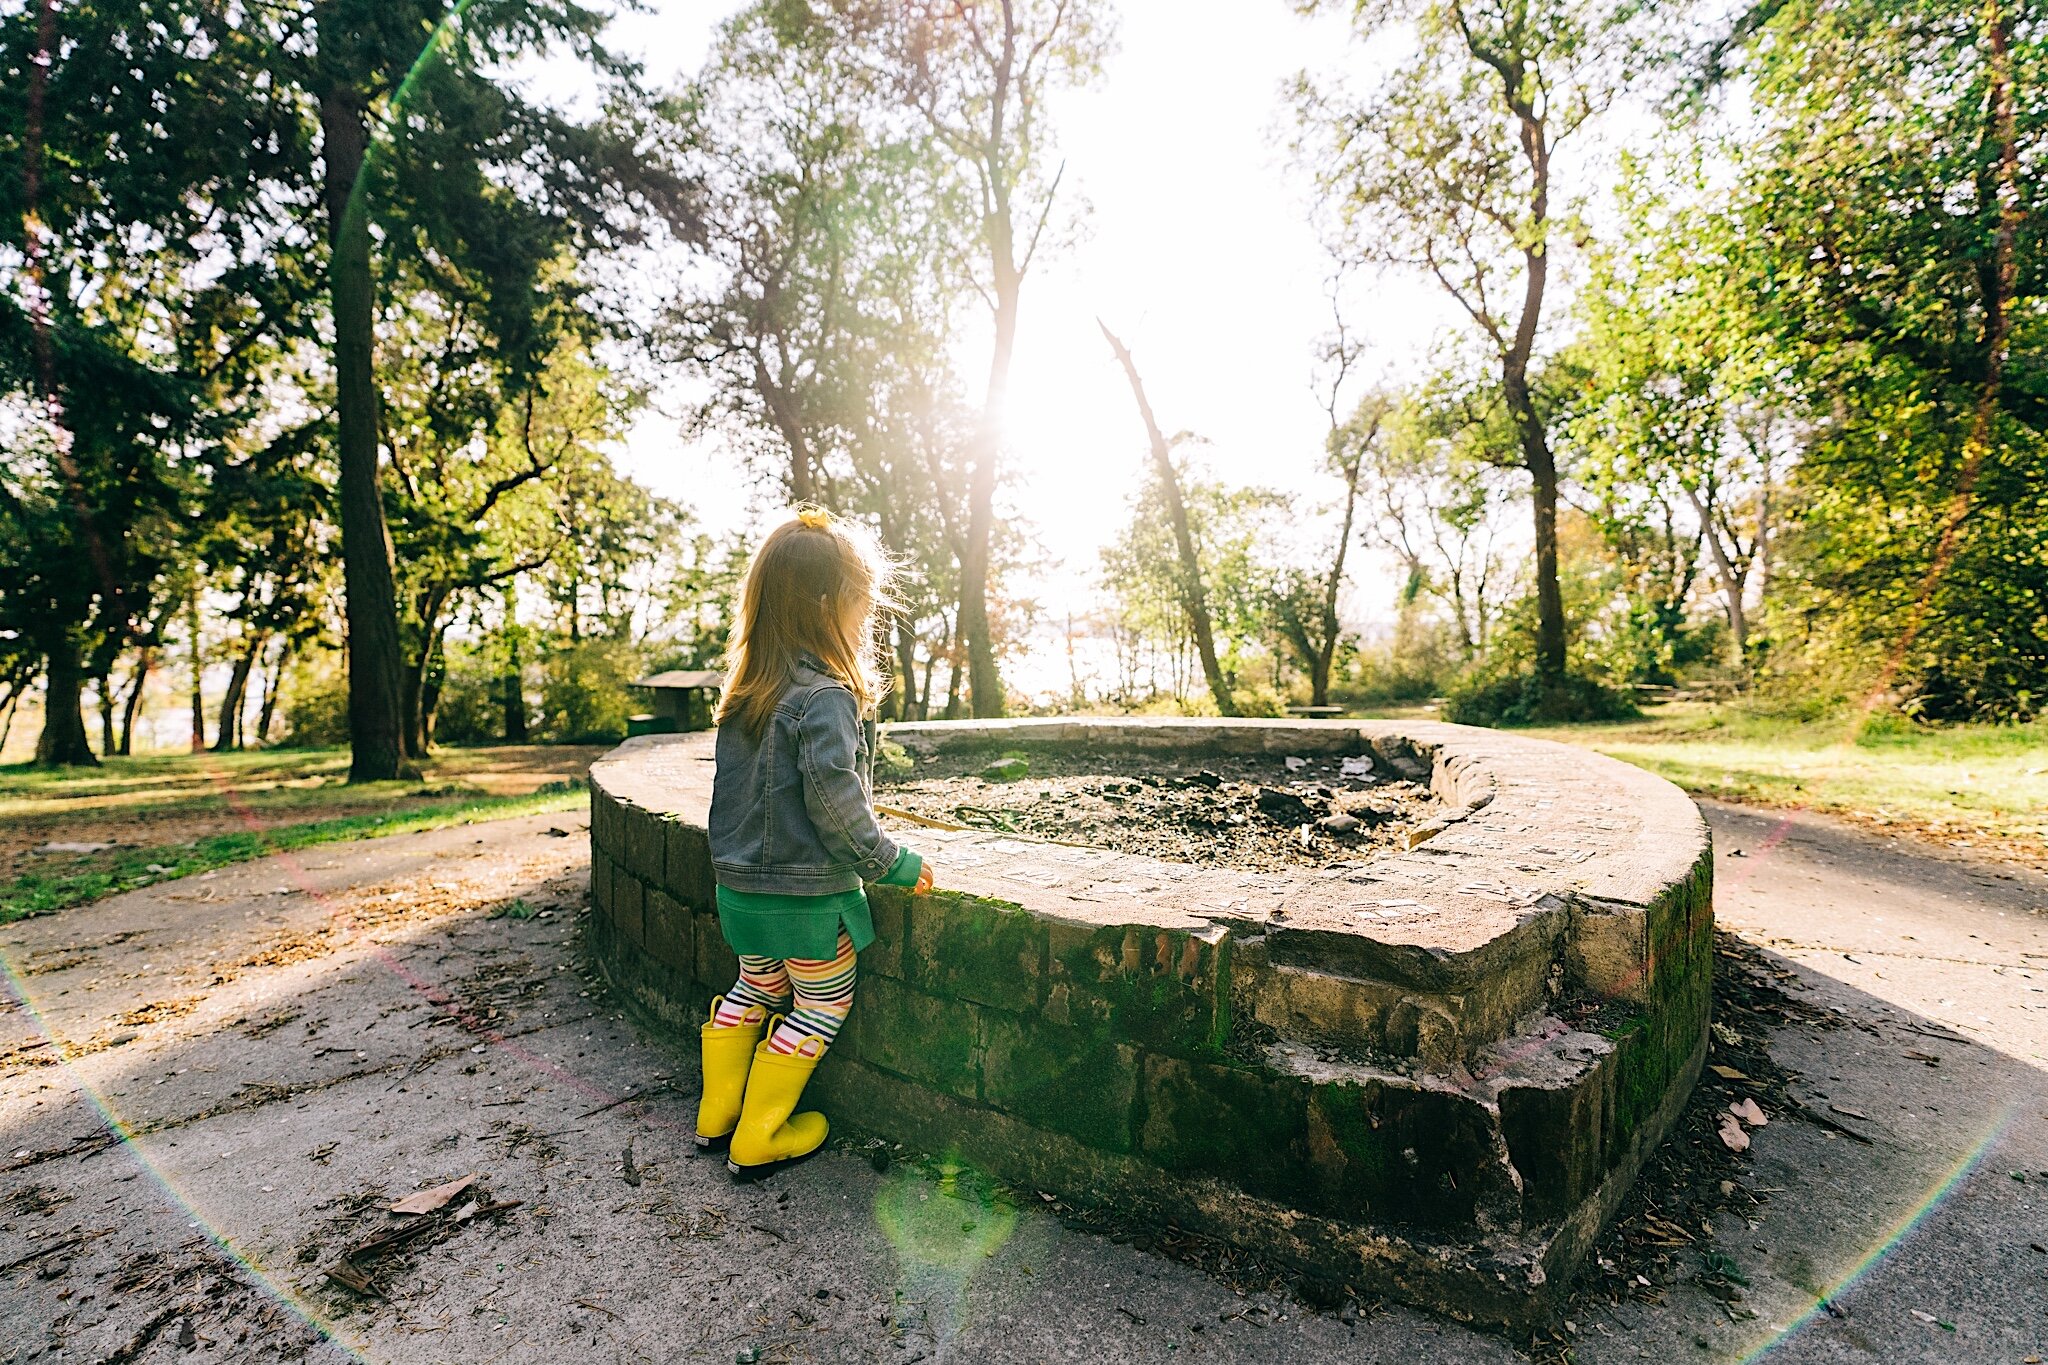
(1976, 786)
(173, 815)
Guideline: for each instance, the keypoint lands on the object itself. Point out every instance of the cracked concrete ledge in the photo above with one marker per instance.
(1432, 1077)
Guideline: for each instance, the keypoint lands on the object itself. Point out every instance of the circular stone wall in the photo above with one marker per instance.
(1431, 1076)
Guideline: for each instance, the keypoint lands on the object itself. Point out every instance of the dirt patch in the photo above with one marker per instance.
(1254, 813)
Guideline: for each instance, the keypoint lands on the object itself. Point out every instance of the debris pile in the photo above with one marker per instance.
(1257, 813)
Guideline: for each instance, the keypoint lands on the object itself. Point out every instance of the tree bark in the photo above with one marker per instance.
(374, 654)
(1193, 596)
(1326, 657)
(1550, 647)
(512, 683)
(228, 729)
(1513, 69)
(63, 743)
(103, 686)
(134, 701)
(1732, 583)
(273, 684)
(906, 670)
(984, 683)
(195, 636)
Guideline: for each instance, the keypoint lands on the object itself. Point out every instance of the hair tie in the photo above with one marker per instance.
(817, 518)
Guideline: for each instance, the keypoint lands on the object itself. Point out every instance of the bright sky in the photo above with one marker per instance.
(1198, 252)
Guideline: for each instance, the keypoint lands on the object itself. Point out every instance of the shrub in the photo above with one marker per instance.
(1519, 698)
(584, 694)
(315, 701)
(471, 708)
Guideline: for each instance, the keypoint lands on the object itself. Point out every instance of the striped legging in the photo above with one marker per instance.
(824, 995)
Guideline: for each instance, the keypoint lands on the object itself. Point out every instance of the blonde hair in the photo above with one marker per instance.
(814, 587)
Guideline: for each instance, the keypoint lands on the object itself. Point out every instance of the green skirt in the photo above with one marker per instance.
(802, 927)
(762, 924)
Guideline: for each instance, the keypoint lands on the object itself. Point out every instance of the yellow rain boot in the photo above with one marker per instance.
(770, 1134)
(728, 1052)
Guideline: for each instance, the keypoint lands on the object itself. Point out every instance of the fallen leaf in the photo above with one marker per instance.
(426, 1201)
(1726, 1073)
(1750, 1112)
(350, 1276)
(1732, 1135)
(1846, 1112)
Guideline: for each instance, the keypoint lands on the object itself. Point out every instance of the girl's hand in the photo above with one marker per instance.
(924, 881)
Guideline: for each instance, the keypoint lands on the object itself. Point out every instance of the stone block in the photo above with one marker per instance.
(629, 909)
(604, 811)
(601, 884)
(716, 965)
(1246, 1126)
(1403, 1154)
(1080, 1082)
(686, 865)
(1297, 1003)
(889, 906)
(970, 948)
(935, 1042)
(671, 939)
(1557, 1140)
(1161, 989)
(1609, 956)
(645, 844)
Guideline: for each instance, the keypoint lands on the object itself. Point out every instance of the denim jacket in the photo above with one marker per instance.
(790, 811)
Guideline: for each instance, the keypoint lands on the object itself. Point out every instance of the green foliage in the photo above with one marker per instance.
(471, 708)
(315, 702)
(1521, 698)
(584, 694)
(1864, 222)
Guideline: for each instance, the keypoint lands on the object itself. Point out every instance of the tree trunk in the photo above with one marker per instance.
(63, 743)
(906, 670)
(803, 487)
(197, 640)
(1549, 597)
(1193, 596)
(512, 686)
(9, 709)
(104, 686)
(129, 707)
(953, 656)
(273, 684)
(432, 674)
(228, 730)
(985, 685)
(417, 684)
(1326, 657)
(374, 657)
(1732, 583)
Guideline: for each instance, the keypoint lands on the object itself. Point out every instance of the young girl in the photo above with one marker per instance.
(793, 835)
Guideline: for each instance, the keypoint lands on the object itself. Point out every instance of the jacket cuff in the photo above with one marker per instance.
(904, 871)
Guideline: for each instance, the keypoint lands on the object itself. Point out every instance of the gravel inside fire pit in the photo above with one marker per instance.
(1254, 813)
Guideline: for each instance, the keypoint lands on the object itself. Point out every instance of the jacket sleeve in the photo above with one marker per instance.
(827, 750)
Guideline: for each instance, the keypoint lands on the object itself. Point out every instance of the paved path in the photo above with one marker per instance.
(285, 1044)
